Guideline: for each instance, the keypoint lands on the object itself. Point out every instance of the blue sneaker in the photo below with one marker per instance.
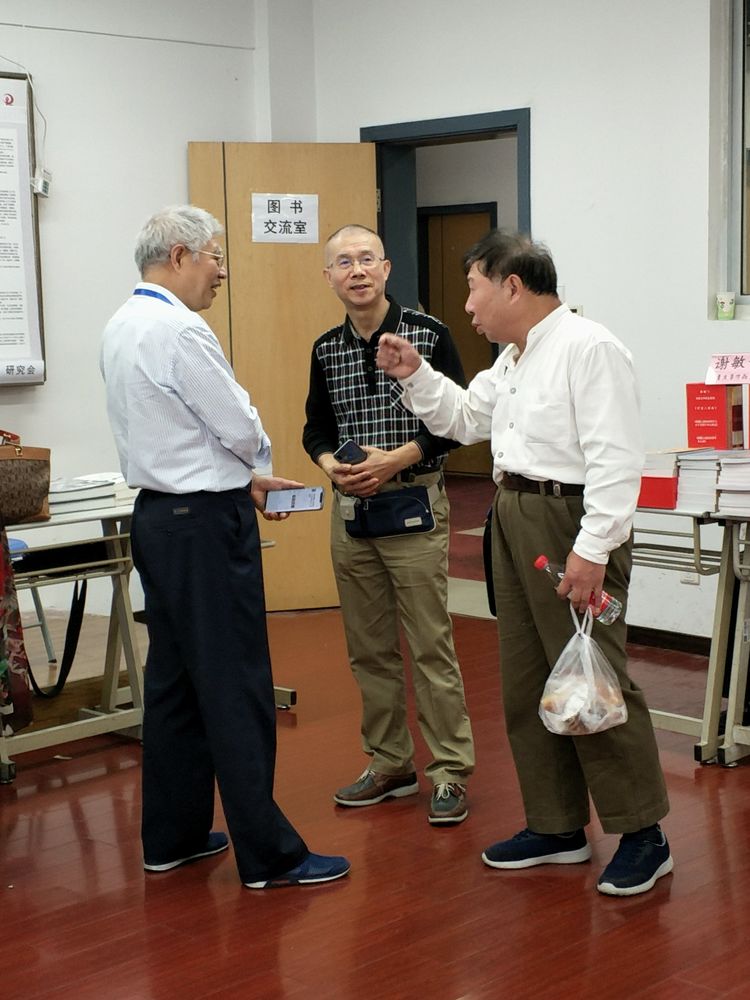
(315, 868)
(639, 861)
(527, 849)
(216, 843)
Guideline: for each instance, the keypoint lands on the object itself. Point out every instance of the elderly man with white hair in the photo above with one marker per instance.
(191, 440)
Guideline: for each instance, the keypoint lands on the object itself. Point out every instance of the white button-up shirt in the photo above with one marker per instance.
(566, 409)
(181, 421)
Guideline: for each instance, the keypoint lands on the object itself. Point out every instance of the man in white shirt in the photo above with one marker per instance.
(560, 407)
(190, 439)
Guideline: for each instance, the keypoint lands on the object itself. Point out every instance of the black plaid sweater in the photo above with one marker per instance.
(350, 397)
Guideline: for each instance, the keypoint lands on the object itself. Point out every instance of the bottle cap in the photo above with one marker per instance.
(541, 562)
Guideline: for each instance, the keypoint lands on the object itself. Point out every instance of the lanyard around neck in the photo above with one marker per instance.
(153, 294)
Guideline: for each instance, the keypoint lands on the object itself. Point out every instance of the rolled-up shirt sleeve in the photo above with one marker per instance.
(449, 410)
(607, 414)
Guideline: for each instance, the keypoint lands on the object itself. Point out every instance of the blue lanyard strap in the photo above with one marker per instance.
(153, 294)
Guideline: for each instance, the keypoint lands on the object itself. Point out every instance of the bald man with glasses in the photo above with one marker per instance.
(387, 582)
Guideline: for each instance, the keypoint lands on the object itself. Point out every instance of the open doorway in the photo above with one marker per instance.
(443, 234)
(443, 183)
(432, 175)
(457, 157)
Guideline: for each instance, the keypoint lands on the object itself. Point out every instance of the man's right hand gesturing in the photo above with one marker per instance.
(396, 356)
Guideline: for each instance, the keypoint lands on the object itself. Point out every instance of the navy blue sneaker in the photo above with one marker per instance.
(527, 849)
(639, 861)
(315, 868)
(216, 843)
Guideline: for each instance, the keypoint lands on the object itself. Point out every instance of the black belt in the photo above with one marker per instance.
(545, 487)
(410, 475)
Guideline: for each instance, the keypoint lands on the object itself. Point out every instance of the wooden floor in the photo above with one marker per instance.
(419, 916)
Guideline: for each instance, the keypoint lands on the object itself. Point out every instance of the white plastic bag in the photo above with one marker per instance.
(582, 694)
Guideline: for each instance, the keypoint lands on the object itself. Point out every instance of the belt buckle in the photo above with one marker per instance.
(556, 489)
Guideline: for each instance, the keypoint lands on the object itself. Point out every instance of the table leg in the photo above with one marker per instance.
(707, 746)
(736, 743)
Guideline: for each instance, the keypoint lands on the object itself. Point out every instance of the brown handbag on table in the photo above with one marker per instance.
(24, 481)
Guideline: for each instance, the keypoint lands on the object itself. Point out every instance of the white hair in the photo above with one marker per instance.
(185, 224)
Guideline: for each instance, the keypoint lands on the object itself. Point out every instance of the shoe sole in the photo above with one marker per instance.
(397, 793)
(448, 820)
(610, 889)
(184, 861)
(562, 858)
(281, 882)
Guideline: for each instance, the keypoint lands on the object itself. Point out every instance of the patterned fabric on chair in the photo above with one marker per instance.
(17, 546)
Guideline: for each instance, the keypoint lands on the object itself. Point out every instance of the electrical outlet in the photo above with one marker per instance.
(578, 310)
(691, 578)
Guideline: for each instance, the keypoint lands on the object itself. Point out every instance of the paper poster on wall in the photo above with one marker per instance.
(21, 340)
(285, 218)
(728, 368)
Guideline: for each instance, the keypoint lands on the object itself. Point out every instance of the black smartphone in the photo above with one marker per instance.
(282, 501)
(350, 453)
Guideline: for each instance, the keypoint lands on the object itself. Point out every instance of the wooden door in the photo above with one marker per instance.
(278, 303)
(449, 236)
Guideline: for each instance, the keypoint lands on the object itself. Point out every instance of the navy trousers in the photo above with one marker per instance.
(209, 704)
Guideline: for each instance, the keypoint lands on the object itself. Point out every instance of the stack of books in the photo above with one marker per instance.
(67, 496)
(659, 481)
(734, 482)
(698, 480)
(122, 492)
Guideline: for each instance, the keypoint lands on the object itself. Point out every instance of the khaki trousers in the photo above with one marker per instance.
(384, 581)
(620, 767)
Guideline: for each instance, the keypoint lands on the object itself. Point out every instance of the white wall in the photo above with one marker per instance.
(121, 108)
(619, 102)
(291, 70)
(620, 180)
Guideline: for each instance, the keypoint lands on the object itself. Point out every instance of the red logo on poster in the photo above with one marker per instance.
(8, 98)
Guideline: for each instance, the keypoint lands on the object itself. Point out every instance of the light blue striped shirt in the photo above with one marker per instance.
(180, 419)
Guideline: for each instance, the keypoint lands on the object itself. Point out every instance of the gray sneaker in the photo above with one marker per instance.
(448, 804)
(372, 787)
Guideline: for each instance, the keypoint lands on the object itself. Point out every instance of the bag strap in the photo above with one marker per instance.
(583, 632)
(72, 633)
(585, 623)
(8, 437)
(433, 492)
(487, 562)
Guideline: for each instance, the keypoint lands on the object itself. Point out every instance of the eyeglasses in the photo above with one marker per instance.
(218, 257)
(366, 261)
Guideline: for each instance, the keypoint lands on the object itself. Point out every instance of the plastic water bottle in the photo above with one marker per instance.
(610, 606)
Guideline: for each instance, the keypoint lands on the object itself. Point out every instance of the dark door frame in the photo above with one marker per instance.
(396, 146)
